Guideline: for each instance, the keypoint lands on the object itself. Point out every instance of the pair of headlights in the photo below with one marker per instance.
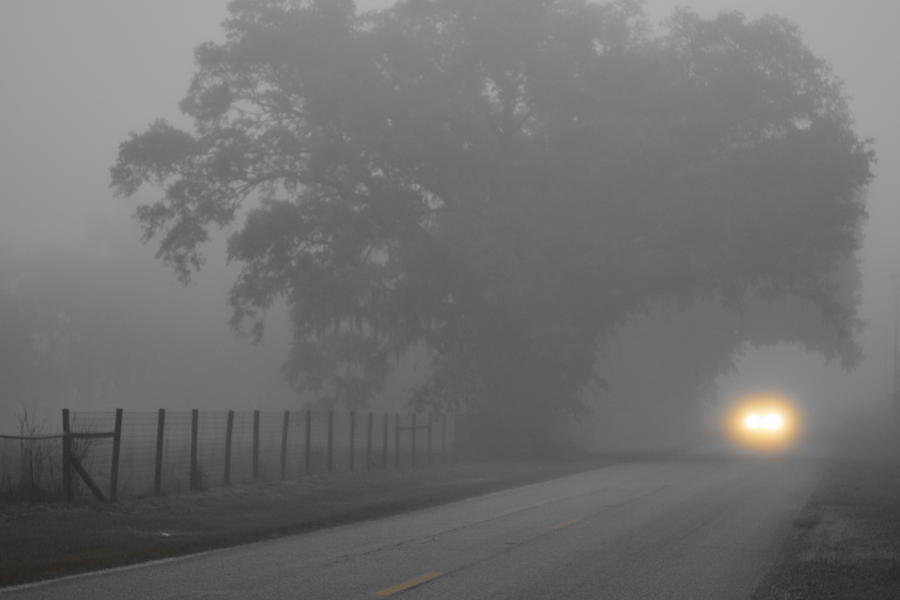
(772, 421)
(763, 422)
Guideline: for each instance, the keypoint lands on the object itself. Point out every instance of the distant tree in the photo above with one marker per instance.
(502, 182)
(13, 332)
(96, 325)
(687, 347)
(45, 357)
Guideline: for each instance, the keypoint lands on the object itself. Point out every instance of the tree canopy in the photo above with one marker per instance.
(502, 183)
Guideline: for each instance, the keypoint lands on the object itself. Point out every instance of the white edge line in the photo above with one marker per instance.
(185, 557)
(119, 569)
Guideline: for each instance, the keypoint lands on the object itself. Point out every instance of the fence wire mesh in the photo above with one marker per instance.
(95, 455)
(156, 448)
(137, 452)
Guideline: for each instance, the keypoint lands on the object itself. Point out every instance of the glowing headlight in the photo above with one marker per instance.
(763, 421)
(771, 421)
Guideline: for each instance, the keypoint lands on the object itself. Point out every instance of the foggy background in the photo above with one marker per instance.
(77, 77)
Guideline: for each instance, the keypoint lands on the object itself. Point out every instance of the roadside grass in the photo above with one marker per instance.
(41, 541)
(846, 542)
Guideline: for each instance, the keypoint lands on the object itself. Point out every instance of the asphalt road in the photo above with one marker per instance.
(689, 528)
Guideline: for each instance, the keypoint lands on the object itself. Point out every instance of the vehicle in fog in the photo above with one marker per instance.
(763, 421)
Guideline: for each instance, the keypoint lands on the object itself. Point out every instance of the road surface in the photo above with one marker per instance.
(689, 528)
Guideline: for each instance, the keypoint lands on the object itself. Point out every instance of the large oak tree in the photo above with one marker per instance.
(501, 183)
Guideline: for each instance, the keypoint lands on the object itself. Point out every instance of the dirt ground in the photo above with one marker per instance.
(40, 541)
(846, 542)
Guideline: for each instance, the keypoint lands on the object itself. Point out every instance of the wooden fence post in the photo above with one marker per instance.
(413, 430)
(160, 435)
(428, 440)
(194, 473)
(369, 442)
(384, 443)
(286, 421)
(308, 441)
(330, 440)
(229, 429)
(67, 456)
(352, 440)
(70, 460)
(397, 441)
(114, 467)
(255, 445)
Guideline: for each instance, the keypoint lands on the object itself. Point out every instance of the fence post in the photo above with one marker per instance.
(284, 437)
(397, 441)
(330, 440)
(194, 475)
(352, 439)
(67, 456)
(428, 439)
(255, 445)
(369, 442)
(229, 429)
(308, 441)
(384, 443)
(160, 434)
(114, 467)
(413, 449)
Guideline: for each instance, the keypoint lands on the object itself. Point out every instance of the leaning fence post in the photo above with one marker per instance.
(67, 456)
(229, 429)
(352, 439)
(195, 471)
(413, 449)
(369, 442)
(160, 434)
(284, 437)
(397, 441)
(330, 440)
(384, 443)
(114, 467)
(308, 441)
(255, 445)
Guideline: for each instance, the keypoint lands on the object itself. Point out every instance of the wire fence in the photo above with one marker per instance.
(125, 453)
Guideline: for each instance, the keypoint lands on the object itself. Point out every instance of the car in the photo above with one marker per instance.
(763, 421)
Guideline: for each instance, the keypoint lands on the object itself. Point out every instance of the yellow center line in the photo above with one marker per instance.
(400, 587)
(565, 524)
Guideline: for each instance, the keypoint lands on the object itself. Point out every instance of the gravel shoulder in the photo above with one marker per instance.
(42, 541)
(846, 542)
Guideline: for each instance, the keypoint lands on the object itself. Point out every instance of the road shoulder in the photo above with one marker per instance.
(845, 544)
(43, 541)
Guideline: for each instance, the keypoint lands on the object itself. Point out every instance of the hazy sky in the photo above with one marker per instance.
(78, 76)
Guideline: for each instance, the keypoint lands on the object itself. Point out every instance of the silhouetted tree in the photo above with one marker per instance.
(14, 332)
(503, 182)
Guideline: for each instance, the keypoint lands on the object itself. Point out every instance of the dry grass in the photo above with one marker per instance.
(846, 543)
(47, 540)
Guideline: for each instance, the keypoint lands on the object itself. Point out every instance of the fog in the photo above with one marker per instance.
(78, 77)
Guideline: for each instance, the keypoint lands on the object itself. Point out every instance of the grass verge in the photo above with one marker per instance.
(40, 541)
(846, 542)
